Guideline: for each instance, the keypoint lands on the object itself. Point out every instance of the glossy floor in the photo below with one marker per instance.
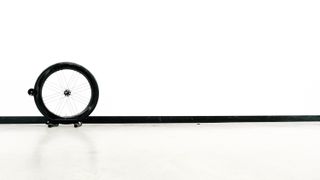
(232, 151)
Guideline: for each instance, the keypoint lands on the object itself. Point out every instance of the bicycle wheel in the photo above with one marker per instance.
(66, 92)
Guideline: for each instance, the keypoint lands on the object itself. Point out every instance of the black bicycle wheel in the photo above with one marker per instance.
(66, 91)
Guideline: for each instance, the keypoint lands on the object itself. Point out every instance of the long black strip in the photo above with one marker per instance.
(164, 119)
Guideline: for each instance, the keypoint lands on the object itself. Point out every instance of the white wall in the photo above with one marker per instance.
(168, 57)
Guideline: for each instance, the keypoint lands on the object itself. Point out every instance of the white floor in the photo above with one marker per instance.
(231, 151)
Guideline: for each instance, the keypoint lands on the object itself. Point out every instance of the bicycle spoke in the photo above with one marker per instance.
(74, 82)
(80, 101)
(74, 105)
(48, 101)
(79, 96)
(71, 79)
(58, 106)
(62, 108)
(52, 96)
(53, 87)
(60, 80)
(71, 107)
(81, 86)
(82, 90)
(64, 79)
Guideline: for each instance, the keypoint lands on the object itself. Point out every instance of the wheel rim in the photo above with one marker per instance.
(66, 93)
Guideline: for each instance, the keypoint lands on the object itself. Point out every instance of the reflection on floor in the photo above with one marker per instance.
(229, 151)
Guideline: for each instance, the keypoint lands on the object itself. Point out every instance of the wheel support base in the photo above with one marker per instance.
(55, 124)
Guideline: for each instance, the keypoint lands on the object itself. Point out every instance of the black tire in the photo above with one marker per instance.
(69, 66)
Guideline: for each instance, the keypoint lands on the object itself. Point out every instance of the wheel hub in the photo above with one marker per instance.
(67, 92)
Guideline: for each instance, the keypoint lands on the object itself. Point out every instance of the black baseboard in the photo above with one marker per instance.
(164, 119)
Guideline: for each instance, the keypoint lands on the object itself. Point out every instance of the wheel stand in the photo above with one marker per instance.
(52, 124)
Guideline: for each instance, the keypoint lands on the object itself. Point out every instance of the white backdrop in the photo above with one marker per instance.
(168, 57)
